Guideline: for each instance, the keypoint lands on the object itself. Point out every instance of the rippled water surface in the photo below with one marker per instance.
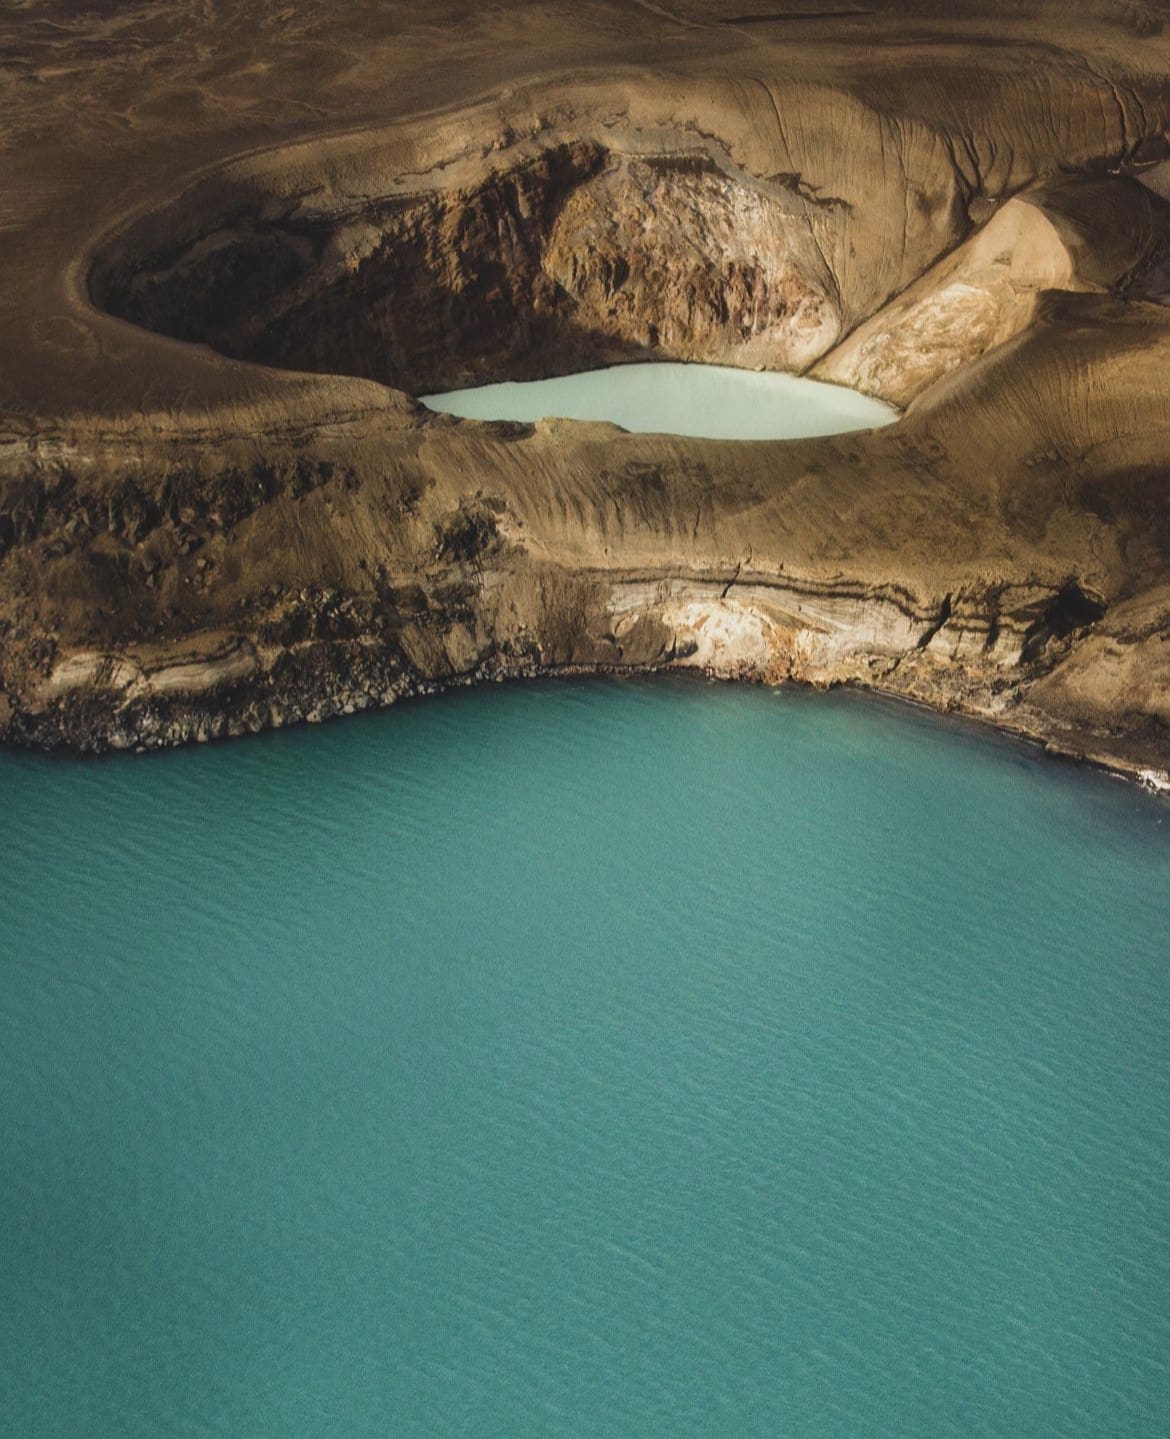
(592, 1059)
(714, 401)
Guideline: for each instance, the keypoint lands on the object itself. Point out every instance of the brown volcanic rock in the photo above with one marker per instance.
(214, 517)
(672, 256)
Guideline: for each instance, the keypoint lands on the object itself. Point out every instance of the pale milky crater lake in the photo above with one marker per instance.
(705, 401)
(594, 1058)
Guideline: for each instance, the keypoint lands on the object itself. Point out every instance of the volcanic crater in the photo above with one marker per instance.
(232, 514)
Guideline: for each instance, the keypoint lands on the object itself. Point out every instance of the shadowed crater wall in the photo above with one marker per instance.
(574, 256)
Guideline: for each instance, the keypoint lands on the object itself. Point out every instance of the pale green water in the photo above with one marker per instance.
(593, 1059)
(713, 401)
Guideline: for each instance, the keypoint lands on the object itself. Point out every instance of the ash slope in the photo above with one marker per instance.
(221, 510)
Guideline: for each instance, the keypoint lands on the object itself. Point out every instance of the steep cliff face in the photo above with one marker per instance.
(676, 258)
(417, 290)
(409, 587)
(578, 254)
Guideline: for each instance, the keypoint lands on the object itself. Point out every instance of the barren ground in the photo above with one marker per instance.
(236, 239)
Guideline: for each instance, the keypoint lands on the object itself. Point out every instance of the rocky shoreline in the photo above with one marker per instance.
(237, 716)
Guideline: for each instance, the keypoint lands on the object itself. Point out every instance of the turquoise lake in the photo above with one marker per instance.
(711, 401)
(594, 1058)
